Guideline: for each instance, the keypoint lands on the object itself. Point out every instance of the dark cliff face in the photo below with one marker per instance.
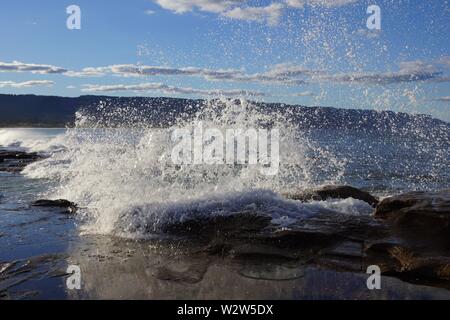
(51, 111)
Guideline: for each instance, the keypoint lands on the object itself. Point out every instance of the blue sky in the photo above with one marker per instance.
(309, 52)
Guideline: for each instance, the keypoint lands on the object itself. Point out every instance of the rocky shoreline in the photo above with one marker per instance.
(407, 236)
(16, 161)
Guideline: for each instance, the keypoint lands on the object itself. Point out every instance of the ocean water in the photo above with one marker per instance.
(127, 188)
(125, 181)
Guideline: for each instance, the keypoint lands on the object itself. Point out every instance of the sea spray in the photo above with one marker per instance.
(110, 172)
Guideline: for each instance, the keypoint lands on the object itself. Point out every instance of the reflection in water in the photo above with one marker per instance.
(113, 268)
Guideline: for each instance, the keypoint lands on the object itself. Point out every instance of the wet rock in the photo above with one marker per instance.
(350, 249)
(272, 271)
(6, 266)
(192, 274)
(409, 264)
(261, 252)
(377, 253)
(326, 230)
(334, 192)
(11, 169)
(16, 161)
(216, 248)
(299, 238)
(424, 210)
(328, 239)
(17, 272)
(17, 155)
(227, 225)
(67, 206)
(343, 264)
(394, 258)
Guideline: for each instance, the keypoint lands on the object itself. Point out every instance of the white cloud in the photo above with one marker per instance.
(319, 3)
(17, 66)
(25, 84)
(270, 14)
(445, 61)
(238, 9)
(279, 74)
(87, 72)
(182, 6)
(304, 94)
(289, 70)
(409, 71)
(221, 6)
(149, 12)
(132, 70)
(149, 87)
(443, 99)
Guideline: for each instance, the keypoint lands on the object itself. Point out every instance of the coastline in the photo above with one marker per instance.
(239, 257)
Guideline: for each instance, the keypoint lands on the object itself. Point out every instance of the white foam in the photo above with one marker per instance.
(114, 173)
(144, 219)
(32, 139)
